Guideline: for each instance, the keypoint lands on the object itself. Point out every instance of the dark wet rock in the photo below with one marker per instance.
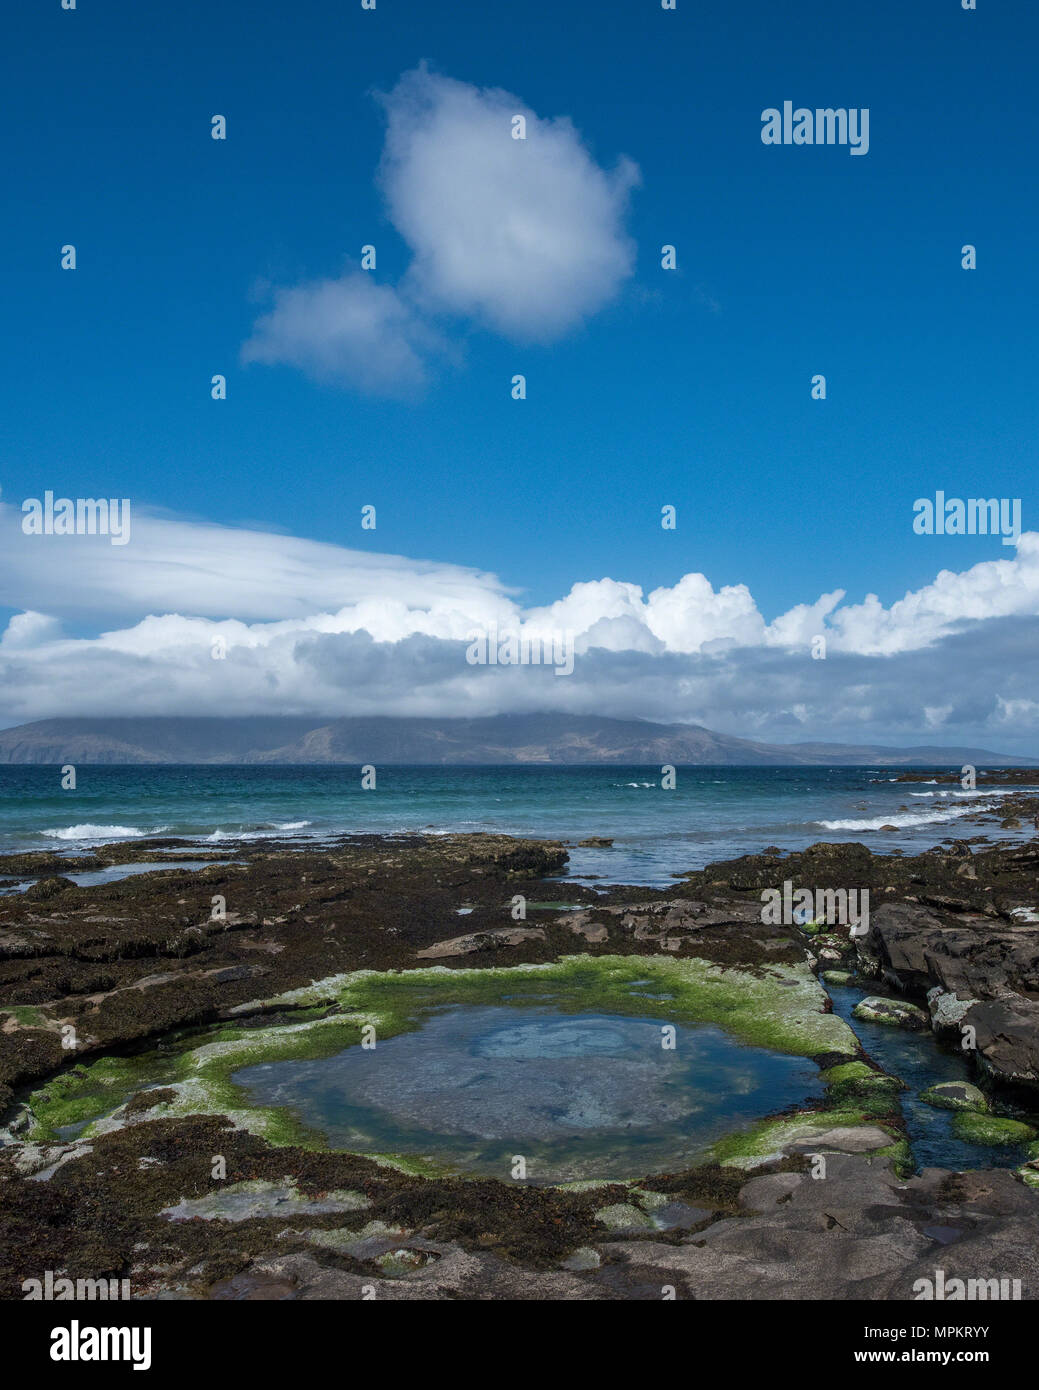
(858, 1232)
(728, 929)
(132, 959)
(959, 849)
(1006, 1036)
(101, 1208)
(595, 842)
(961, 919)
(457, 1273)
(591, 931)
(974, 971)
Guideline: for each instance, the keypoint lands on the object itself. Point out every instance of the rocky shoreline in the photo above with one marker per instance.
(272, 943)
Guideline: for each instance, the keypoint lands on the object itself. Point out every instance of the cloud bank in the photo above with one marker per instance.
(310, 628)
(524, 237)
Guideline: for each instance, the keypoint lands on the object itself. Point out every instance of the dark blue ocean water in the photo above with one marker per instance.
(713, 812)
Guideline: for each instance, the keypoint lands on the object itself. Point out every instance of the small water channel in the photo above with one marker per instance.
(112, 873)
(921, 1060)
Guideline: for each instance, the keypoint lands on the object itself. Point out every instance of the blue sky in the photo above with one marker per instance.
(688, 387)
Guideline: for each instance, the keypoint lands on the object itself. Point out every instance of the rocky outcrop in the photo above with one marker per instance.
(955, 928)
(857, 1233)
(977, 973)
(1006, 1038)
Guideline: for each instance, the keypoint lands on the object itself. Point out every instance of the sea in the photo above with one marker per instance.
(658, 832)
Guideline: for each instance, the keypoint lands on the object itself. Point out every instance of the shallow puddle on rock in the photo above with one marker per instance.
(944, 1235)
(578, 1095)
(556, 906)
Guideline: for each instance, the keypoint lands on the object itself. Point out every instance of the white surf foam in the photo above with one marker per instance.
(906, 820)
(267, 833)
(97, 832)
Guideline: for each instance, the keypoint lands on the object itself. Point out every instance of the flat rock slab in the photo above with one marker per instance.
(456, 1274)
(849, 1139)
(481, 941)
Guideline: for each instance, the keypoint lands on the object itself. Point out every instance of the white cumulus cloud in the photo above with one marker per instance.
(525, 237)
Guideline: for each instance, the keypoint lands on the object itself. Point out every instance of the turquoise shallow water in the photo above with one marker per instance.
(713, 812)
(576, 1094)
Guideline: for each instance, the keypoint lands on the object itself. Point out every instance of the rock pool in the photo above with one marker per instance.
(576, 1095)
(588, 1069)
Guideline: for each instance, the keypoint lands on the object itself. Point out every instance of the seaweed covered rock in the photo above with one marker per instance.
(992, 1130)
(955, 1095)
(896, 1013)
(46, 888)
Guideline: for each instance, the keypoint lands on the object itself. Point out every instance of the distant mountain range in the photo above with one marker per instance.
(504, 738)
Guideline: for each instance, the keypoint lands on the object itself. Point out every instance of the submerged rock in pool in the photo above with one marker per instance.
(577, 1038)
